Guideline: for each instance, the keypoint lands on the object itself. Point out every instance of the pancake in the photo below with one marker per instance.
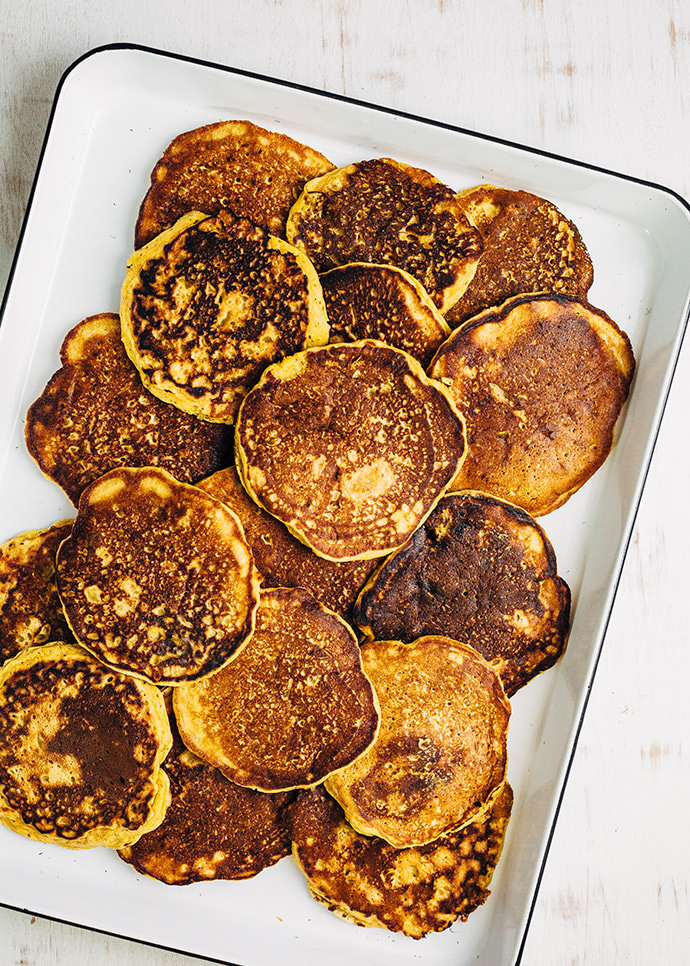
(94, 415)
(350, 446)
(385, 303)
(156, 578)
(30, 608)
(294, 705)
(541, 381)
(387, 212)
(230, 164)
(80, 750)
(440, 756)
(483, 572)
(280, 558)
(529, 246)
(415, 891)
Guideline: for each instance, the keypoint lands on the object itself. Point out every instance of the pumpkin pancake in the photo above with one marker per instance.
(294, 705)
(383, 211)
(483, 572)
(440, 756)
(30, 608)
(350, 445)
(415, 891)
(94, 415)
(209, 303)
(80, 750)
(541, 381)
(230, 164)
(156, 578)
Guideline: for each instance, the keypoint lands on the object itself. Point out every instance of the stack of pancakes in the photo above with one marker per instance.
(304, 574)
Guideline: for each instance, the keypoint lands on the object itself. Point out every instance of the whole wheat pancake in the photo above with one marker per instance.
(529, 246)
(541, 381)
(481, 571)
(415, 891)
(350, 445)
(291, 708)
(80, 750)
(156, 578)
(210, 302)
(230, 164)
(30, 608)
(94, 415)
(383, 211)
(440, 755)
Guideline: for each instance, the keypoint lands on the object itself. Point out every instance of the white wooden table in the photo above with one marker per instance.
(603, 81)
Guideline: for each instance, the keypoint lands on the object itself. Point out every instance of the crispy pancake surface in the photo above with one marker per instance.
(291, 708)
(384, 211)
(541, 381)
(483, 572)
(230, 164)
(440, 755)
(156, 578)
(349, 445)
(95, 414)
(80, 750)
(209, 303)
(416, 890)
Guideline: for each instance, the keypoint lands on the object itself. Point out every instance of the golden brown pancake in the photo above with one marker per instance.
(541, 381)
(481, 571)
(529, 246)
(415, 891)
(291, 708)
(209, 303)
(280, 558)
(156, 578)
(30, 608)
(349, 445)
(230, 164)
(95, 414)
(80, 750)
(386, 212)
(440, 755)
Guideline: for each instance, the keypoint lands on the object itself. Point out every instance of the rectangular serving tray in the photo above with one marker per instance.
(115, 111)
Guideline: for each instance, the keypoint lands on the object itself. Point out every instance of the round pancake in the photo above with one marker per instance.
(94, 415)
(281, 559)
(80, 750)
(210, 302)
(529, 246)
(481, 571)
(30, 608)
(541, 381)
(293, 707)
(156, 578)
(349, 445)
(415, 891)
(385, 303)
(384, 211)
(229, 164)
(440, 755)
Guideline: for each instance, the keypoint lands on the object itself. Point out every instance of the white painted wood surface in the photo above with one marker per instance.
(604, 81)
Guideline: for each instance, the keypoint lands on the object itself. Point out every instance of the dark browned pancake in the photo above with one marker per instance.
(156, 577)
(541, 381)
(415, 891)
(230, 164)
(30, 608)
(350, 445)
(386, 212)
(292, 707)
(95, 414)
(483, 572)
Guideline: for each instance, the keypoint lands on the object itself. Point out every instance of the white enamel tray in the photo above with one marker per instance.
(116, 110)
